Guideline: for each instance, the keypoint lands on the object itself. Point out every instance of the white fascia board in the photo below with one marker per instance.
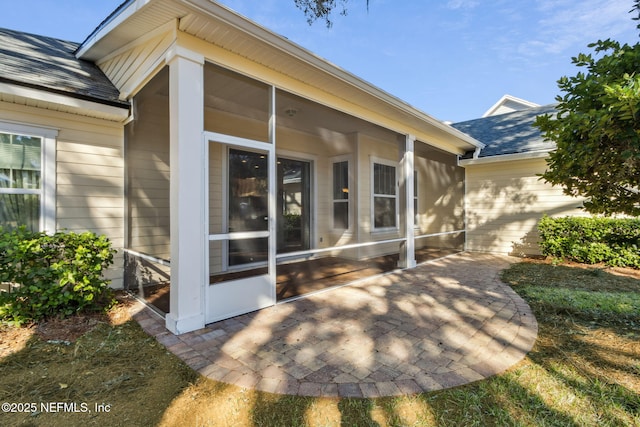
(107, 111)
(508, 97)
(256, 30)
(504, 158)
(127, 11)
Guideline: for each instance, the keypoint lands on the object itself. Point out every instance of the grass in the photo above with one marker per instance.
(584, 370)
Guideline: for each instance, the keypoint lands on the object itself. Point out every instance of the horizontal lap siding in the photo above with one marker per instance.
(90, 174)
(505, 201)
(440, 193)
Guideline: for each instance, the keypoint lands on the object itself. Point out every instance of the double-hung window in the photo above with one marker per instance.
(341, 195)
(385, 195)
(27, 177)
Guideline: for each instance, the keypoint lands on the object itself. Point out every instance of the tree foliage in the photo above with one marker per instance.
(322, 9)
(597, 129)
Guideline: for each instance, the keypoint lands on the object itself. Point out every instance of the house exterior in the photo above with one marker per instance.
(505, 197)
(218, 154)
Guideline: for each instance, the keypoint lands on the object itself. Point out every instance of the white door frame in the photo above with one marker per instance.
(235, 297)
(312, 159)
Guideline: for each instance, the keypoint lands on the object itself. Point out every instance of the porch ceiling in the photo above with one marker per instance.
(218, 25)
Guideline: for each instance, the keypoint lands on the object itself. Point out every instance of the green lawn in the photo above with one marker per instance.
(584, 370)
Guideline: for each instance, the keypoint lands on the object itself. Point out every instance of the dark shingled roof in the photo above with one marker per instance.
(510, 133)
(49, 64)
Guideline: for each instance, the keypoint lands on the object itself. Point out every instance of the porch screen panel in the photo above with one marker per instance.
(440, 201)
(147, 148)
(235, 104)
(248, 202)
(238, 210)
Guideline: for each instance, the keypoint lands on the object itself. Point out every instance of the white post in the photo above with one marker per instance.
(408, 257)
(187, 201)
(273, 197)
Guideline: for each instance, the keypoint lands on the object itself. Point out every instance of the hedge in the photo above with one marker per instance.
(612, 241)
(52, 275)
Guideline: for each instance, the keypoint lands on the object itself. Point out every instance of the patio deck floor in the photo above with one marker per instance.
(445, 323)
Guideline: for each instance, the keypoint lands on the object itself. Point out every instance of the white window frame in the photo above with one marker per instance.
(348, 200)
(395, 165)
(47, 190)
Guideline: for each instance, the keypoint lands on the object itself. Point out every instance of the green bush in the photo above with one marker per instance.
(592, 240)
(53, 275)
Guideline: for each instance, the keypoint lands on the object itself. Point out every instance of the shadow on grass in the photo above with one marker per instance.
(544, 389)
(112, 373)
(273, 410)
(356, 412)
(578, 373)
(587, 371)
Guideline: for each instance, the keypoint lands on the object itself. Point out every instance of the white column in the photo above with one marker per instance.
(188, 263)
(408, 255)
(273, 202)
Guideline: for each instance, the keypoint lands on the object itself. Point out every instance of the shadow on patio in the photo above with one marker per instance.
(443, 324)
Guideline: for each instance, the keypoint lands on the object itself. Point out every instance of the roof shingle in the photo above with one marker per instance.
(510, 133)
(50, 64)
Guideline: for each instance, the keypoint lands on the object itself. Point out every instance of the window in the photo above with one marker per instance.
(26, 196)
(341, 195)
(385, 201)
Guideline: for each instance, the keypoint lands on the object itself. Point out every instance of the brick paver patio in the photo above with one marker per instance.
(443, 324)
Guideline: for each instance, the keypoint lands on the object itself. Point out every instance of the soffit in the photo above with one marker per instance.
(220, 26)
(136, 19)
(42, 99)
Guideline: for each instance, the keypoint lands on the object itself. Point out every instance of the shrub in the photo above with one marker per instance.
(592, 240)
(53, 275)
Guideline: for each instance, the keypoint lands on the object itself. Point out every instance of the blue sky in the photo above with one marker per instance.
(452, 59)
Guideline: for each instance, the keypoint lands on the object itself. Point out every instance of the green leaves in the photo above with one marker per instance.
(597, 130)
(592, 240)
(322, 9)
(53, 275)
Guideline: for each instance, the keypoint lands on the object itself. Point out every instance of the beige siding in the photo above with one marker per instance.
(440, 192)
(504, 203)
(148, 171)
(90, 173)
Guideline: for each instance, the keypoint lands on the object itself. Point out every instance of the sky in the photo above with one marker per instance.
(452, 59)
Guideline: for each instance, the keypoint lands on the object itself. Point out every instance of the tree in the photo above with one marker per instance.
(322, 9)
(597, 129)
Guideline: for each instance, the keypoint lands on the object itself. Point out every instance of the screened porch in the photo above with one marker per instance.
(298, 197)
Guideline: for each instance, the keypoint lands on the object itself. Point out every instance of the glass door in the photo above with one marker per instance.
(294, 205)
(248, 206)
(241, 222)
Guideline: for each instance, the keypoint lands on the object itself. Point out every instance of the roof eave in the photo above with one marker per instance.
(67, 103)
(243, 24)
(505, 158)
(118, 16)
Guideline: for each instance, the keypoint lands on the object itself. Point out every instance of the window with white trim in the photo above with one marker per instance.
(341, 195)
(26, 193)
(385, 195)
